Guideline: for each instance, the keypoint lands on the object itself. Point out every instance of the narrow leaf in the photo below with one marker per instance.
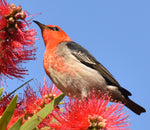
(58, 99)
(6, 117)
(19, 87)
(1, 91)
(37, 118)
(46, 128)
(16, 125)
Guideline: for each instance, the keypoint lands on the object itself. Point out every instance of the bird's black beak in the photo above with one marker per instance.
(42, 26)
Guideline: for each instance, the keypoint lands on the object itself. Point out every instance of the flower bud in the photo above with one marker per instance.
(23, 15)
(12, 6)
(11, 20)
(18, 16)
(19, 8)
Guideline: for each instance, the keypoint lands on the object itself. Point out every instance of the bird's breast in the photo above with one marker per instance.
(55, 62)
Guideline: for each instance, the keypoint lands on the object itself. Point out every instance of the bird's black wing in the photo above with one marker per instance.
(86, 58)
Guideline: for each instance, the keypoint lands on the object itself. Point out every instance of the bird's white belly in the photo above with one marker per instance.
(78, 80)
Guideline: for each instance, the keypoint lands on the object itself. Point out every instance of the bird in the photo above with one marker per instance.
(76, 72)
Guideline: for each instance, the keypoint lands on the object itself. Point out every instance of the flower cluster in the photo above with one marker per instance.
(16, 40)
(34, 102)
(31, 102)
(91, 114)
(85, 114)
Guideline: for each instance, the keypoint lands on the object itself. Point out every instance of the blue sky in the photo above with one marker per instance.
(116, 32)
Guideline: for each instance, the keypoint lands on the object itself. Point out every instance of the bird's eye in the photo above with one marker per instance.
(56, 29)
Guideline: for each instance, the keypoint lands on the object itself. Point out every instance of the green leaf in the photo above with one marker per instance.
(1, 91)
(6, 117)
(58, 99)
(20, 87)
(45, 128)
(16, 125)
(37, 118)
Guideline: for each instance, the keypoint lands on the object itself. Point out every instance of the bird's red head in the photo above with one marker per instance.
(52, 35)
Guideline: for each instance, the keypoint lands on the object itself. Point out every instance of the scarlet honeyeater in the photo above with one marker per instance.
(75, 71)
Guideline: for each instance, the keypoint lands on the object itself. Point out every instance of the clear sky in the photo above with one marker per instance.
(116, 32)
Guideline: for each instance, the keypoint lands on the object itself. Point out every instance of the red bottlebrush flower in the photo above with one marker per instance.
(34, 102)
(91, 113)
(18, 113)
(4, 101)
(16, 40)
(4, 11)
(48, 93)
(30, 103)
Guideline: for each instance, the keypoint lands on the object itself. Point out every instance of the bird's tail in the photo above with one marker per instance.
(134, 107)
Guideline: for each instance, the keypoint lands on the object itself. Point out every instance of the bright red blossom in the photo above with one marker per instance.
(50, 92)
(4, 101)
(16, 40)
(30, 103)
(34, 101)
(18, 113)
(4, 8)
(4, 11)
(91, 113)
